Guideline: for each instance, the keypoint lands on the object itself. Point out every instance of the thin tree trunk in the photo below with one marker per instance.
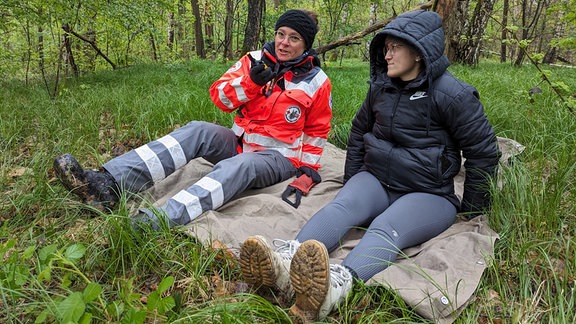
(198, 36)
(468, 51)
(253, 25)
(228, 25)
(153, 46)
(530, 17)
(505, 11)
(170, 34)
(181, 42)
(552, 54)
(208, 27)
(93, 44)
(68, 55)
(450, 21)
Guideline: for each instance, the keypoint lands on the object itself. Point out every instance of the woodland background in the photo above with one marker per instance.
(100, 77)
(55, 38)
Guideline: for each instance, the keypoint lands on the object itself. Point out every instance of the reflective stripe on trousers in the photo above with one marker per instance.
(233, 173)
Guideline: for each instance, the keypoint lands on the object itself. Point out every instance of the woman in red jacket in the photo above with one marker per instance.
(282, 100)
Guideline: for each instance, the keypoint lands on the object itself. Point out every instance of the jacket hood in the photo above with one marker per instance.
(420, 28)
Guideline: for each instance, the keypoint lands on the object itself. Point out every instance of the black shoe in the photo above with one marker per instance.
(95, 188)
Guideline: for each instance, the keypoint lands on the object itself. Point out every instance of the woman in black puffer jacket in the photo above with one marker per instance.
(405, 148)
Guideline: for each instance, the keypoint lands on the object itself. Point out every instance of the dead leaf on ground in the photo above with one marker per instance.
(18, 172)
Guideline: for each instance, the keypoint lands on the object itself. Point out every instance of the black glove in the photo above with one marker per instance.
(260, 73)
(306, 179)
(313, 174)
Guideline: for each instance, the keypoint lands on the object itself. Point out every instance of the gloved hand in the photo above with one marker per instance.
(260, 72)
(307, 179)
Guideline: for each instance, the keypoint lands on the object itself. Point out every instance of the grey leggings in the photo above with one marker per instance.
(395, 221)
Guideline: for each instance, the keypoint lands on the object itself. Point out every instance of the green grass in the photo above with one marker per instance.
(63, 262)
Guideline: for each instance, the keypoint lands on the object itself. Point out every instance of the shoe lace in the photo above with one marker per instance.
(286, 248)
(339, 275)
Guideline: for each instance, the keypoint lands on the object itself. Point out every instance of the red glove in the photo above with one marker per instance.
(301, 186)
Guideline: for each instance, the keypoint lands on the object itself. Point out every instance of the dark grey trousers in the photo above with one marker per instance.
(232, 173)
(394, 222)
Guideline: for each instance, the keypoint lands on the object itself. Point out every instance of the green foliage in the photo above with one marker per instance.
(64, 262)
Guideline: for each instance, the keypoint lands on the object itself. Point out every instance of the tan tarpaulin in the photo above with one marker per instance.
(437, 278)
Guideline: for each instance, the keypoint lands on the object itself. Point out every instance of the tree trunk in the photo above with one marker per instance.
(153, 47)
(208, 27)
(40, 48)
(530, 17)
(180, 29)
(170, 35)
(256, 10)
(455, 24)
(505, 11)
(68, 55)
(228, 25)
(468, 49)
(450, 21)
(198, 36)
(69, 30)
(88, 52)
(552, 54)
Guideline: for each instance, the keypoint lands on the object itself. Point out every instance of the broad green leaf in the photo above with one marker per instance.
(115, 308)
(21, 275)
(166, 304)
(45, 275)
(47, 251)
(134, 316)
(9, 244)
(71, 308)
(75, 252)
(28, 252)
(92, 291)
(85, 319)
(165, 284)
(42, 317)
(153, 300)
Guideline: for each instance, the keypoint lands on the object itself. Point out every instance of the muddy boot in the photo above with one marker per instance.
(264, 265)
(320, 287)
(96, 188)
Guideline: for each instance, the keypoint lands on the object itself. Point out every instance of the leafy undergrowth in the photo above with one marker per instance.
(64, 262)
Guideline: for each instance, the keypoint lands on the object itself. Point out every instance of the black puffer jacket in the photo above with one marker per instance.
(411, 137)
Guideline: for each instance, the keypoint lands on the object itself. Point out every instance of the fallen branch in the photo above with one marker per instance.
(348, 39)
(91, 42)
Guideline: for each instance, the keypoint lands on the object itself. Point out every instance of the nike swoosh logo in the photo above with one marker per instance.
(418, 95)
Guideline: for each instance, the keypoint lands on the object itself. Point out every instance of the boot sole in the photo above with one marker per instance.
(256, 262)
(310, 276)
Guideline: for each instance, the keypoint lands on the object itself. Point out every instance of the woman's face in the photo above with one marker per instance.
(402, 62)
(288, 43)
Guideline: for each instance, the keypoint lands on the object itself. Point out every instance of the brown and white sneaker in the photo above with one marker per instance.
(95, 188)
(265, 266)
(319, 286)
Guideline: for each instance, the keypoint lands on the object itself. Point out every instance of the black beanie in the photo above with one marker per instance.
(301, 22)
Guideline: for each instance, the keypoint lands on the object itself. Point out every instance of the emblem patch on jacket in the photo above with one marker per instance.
(235, 67)
(292, 114)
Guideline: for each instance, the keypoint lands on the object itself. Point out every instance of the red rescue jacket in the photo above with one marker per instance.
(293, 119)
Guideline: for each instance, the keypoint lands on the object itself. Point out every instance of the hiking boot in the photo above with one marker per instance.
(265, 266)
(96, 188)
(319, 286)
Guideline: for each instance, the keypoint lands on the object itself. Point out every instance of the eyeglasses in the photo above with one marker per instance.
(293, 39)
(392, 49)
